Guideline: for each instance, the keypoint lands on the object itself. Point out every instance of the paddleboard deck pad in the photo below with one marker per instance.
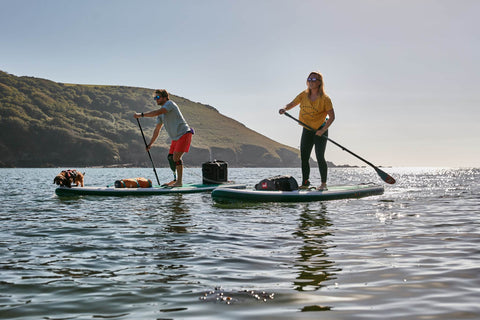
(155, 190)
(224, 195)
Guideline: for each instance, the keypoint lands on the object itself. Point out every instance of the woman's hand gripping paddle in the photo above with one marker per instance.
(383, 175)
(146, 146)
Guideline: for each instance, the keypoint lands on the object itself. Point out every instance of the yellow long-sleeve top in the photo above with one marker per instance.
(313, 113)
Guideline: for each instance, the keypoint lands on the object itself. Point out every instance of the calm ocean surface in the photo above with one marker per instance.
(412, 253)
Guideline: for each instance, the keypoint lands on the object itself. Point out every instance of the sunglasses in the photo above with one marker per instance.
(313, 79)
(156, 97)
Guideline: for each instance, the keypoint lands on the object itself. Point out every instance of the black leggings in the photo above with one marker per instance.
(309, 139)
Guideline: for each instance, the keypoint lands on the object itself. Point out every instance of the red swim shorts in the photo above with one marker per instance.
(182, 144)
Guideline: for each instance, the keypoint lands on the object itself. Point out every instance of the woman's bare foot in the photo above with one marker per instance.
(323, 187)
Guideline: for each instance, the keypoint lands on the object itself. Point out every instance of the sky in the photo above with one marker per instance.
(403, 75)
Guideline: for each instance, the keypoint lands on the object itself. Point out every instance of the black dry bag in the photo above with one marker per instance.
(214, 172)
(278, 183)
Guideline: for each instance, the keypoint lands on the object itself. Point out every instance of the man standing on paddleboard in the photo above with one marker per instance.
(170, 116)
(316, 111)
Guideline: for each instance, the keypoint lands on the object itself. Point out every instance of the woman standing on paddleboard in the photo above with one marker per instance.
(316, 111)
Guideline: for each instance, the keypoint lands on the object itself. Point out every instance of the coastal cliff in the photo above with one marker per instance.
(45, 123)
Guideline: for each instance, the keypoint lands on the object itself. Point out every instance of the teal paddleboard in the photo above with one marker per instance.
(333, 193)
(155, 190)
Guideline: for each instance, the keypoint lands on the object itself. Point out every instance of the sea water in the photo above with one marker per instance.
(411, 253)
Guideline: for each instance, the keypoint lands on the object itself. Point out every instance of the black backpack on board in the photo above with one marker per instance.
(277, 183)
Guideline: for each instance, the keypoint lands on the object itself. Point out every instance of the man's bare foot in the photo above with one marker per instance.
(169, 184)
(177, 184)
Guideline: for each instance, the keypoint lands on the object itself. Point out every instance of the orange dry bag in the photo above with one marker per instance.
(133, 183)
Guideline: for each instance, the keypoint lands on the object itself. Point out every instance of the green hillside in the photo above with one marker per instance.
(44, 123)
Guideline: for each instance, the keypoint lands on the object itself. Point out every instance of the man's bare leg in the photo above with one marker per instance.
(177, 156)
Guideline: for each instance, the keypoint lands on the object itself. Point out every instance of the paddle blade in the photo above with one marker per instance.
(385, 176)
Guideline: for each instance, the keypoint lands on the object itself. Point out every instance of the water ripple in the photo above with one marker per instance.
(410, 253)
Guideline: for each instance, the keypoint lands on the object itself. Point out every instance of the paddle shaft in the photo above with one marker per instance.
(385, 177)
(148, 151)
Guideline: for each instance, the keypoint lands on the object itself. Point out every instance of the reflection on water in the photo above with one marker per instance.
(170, 241)
(179, 218)
(312, 261)
(410, 253)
